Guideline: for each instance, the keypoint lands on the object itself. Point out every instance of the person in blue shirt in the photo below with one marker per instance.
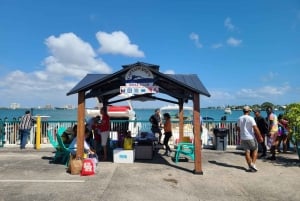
(73, 145)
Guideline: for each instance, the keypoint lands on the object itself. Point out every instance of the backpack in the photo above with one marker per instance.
(88, 167)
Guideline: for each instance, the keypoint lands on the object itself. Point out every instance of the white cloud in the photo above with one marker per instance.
(234, 42)
(263, 93)
(217, 45)
(195, 37)
(117, 43)
(69, 61)
(269, 77)
(221, 97)
(72, 56)
(169, 72)
(228, 24)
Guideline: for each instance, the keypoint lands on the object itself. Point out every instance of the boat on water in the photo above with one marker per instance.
(66, 107)
(173, 110)
(118, 112)
(124, 116)
(227, 110)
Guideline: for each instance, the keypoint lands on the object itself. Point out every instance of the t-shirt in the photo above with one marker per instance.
(246, 123)
(155, 120)
(272, 122)
(105, 124)
(73, 146)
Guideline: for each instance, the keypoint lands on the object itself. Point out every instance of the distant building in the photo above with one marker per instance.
(48, 106)
(15, 106)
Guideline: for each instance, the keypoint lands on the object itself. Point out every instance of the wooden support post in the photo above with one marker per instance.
(181, 123)
(197, 139)
(80, 124)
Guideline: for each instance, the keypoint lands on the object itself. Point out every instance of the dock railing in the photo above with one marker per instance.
(11, 137)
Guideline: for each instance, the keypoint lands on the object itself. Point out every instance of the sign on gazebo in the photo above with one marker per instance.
(138, 80)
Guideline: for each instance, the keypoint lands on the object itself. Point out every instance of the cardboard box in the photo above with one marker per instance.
(143, 152)
(123, 156)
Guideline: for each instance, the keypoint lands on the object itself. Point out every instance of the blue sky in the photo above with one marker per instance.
(244, 52)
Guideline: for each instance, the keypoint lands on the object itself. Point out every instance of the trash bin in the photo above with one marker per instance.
(220, 142)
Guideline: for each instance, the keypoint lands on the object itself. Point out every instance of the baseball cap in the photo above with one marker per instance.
(247, 108)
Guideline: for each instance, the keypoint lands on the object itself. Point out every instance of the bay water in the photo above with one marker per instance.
(141, 114)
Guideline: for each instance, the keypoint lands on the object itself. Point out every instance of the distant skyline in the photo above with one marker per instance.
(244, 52)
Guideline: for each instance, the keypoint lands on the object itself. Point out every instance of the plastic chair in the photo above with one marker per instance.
(64, 151)
(61, 130)
(185, 148)
(51, 139)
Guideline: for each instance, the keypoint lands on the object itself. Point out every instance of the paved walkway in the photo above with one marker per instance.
(29, 175)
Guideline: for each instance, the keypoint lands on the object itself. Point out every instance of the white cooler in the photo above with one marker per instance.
(123, 156)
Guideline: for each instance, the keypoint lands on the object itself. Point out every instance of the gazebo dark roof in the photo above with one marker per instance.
(107, 86)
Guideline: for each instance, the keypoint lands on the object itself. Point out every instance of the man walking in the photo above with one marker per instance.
(249, 134)
(25, 126)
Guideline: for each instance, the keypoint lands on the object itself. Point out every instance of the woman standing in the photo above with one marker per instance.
(167, 133)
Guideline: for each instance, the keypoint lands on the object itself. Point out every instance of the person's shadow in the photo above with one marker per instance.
(228, 165)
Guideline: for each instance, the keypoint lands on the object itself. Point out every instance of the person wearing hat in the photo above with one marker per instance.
(250, 137)
(25, 126)
(263, 128)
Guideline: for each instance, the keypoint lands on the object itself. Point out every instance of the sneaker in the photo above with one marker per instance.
(250, 170)
(253, 167)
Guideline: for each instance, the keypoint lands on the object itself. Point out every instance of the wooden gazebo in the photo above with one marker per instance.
(142, 81)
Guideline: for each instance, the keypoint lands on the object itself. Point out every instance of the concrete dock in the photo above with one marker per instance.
(29, 175)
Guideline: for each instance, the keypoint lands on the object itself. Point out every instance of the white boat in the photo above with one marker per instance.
(173, 110)
(118, 112)
(227, 110)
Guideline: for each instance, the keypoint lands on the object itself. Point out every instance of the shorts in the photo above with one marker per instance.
(249, 145)
(104, 135)
(273, 138)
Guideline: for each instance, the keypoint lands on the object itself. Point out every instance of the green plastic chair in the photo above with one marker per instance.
(60, 150)
(64, 151)
(185, 148)
(51, 139)
(61, 130)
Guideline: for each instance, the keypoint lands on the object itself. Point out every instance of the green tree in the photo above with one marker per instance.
(292, 113)
(266, 104)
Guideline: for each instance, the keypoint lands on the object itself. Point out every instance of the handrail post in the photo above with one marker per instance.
(38, 133)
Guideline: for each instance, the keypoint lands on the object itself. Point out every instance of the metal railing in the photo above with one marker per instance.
(10, 137)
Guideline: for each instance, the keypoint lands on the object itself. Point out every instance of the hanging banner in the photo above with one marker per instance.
(139, 80)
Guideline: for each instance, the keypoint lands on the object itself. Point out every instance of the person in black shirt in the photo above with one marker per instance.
(155, 120)
(263, 128)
